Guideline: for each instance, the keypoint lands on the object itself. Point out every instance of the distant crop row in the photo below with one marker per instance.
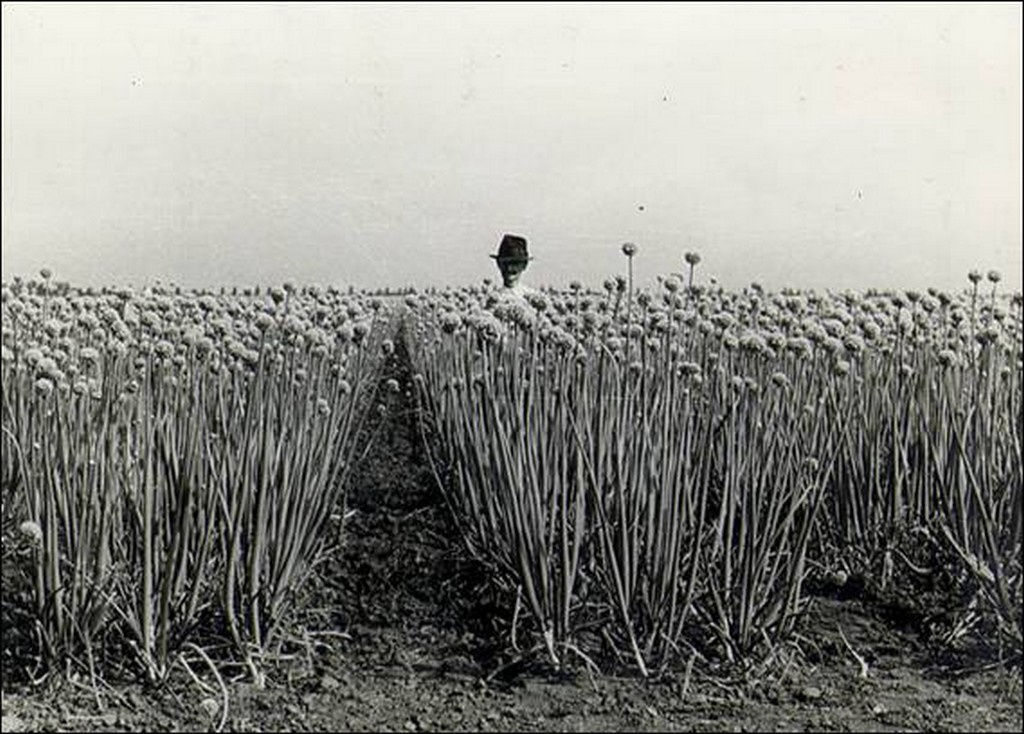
(657, 473)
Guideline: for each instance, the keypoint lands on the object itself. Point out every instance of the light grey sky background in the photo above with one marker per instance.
(829, 146)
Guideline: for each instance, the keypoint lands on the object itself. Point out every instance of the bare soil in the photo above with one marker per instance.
(403, 633)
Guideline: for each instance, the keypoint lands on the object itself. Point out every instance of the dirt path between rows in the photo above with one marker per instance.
(404, 635)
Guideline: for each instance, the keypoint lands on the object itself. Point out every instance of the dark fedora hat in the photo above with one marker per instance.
(512, 249)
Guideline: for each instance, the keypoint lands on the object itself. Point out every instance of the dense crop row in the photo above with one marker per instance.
(173, 461)
(661, 472)
(654, 474)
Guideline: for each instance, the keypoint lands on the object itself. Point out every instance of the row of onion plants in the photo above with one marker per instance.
(660, 468)
(176, 459)
(626, 475)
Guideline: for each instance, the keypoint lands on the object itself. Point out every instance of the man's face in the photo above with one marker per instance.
(511, 270)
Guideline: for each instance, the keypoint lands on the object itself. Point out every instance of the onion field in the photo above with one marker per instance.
(648, 480)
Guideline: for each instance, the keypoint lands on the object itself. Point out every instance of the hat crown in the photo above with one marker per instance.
(512, 247)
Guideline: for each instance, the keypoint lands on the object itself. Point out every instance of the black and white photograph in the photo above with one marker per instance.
(512, 366)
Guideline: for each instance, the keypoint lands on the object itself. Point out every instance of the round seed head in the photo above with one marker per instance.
(947, 358)
(264, 321)
(210, 706)
(32, 531)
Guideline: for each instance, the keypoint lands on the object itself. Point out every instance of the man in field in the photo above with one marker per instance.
(512, 259)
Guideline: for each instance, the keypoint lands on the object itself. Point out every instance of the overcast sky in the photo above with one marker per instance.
(825, 146)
